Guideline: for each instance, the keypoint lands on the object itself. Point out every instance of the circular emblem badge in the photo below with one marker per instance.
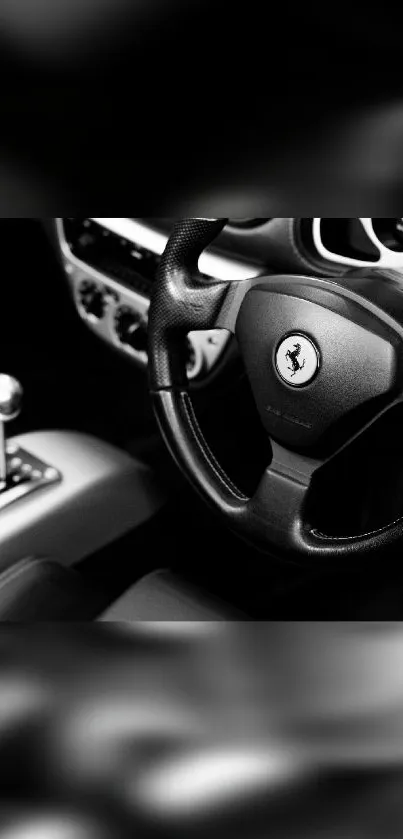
(297, 360)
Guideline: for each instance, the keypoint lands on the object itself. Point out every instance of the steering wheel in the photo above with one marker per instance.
(324, 358)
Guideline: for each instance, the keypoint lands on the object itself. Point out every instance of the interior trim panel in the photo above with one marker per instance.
(384, 238)
(117, 309)
(101, 495)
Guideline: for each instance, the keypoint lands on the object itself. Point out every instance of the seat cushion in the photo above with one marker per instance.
(163, 596)
(41, 590)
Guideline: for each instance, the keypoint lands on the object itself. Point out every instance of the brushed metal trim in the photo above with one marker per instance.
(43, 476)
(103, 494)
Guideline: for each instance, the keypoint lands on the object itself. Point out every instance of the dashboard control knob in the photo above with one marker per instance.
(92, 299)
(131, 329)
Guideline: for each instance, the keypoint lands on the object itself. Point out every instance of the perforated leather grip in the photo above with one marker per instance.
(182, 300)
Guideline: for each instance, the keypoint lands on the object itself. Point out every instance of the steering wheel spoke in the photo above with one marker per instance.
(183, 301)
(231, 305)
(277, 508)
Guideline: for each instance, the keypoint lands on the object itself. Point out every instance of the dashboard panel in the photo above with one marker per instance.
(111, 265)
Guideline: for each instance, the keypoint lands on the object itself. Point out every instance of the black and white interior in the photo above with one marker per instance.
(112, 264)
(360, 242)
(120, 510)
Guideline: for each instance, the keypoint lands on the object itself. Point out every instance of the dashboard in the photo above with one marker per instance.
(112, 263)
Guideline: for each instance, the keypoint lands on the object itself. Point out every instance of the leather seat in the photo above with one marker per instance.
(40, 590)
(163, 596)
(37, 589)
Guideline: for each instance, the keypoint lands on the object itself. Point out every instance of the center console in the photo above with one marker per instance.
(112, 263)
(95, 494)
(65, 495)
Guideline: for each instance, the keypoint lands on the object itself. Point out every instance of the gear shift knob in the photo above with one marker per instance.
(10, 406)
(11, 394)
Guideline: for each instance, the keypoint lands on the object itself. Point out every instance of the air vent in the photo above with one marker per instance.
(390, 232)
(347, 237)
(360, 242)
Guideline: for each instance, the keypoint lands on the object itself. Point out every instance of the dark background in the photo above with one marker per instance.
(262, 108)
(73, 381)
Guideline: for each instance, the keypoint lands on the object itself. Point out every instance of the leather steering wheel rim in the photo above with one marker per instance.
(275, 518)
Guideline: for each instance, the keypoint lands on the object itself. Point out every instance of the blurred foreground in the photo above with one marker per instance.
(221, 108)
(285, 730)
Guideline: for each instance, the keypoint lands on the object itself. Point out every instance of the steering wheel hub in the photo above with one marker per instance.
(350, 339)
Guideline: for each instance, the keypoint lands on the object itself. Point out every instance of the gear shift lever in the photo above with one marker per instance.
(11, 394)
(21, 472)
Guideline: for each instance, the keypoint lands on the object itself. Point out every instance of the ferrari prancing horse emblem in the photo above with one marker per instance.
(297, 360)
(293, 357)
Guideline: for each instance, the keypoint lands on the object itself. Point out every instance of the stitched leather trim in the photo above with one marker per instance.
(360, 536)
(208, 454)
